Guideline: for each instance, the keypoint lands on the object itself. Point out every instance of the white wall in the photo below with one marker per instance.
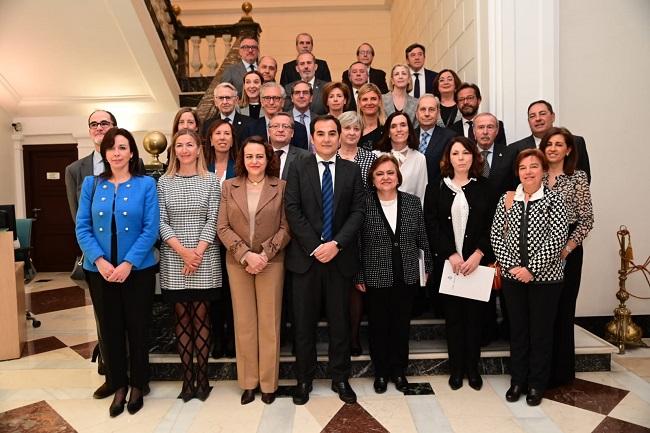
(7, 184)
(604, 94)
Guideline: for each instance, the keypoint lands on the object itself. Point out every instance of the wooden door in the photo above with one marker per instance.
(53, 239)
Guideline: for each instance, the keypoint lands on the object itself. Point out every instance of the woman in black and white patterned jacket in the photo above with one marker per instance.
(530, 229)
(392, 235)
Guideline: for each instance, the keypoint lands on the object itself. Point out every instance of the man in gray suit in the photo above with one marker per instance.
(306, 66)
(99, 122)
(280, 133)
(248, 51)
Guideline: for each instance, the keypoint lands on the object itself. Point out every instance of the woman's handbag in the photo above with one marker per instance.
(78, 275)
(496, 283)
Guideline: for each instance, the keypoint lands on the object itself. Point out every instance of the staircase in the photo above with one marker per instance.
(428, 352)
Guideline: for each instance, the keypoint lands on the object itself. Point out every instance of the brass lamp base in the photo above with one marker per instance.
(622, 331)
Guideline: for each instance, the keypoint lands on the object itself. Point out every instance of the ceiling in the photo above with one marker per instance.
(69, 57)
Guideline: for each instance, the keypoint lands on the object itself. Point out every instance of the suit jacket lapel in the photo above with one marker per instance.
(340, 181)
(269, 191)
(87, 168)
(498, 156)
(314, 179)
(239, 196)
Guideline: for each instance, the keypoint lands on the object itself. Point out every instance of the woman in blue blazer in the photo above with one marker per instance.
(117, 226)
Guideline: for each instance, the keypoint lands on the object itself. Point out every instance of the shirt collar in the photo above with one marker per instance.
(97, 157)
(430, 131)
(319, 159)
(519, 193)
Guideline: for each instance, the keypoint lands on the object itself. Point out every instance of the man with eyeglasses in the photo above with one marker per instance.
(365, 55)
(248, 52)
(304, 44)
(272, 96)
(306, 66)
(540, 119)
(468, 99)
(225, 101)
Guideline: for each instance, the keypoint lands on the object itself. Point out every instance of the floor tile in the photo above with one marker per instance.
(571, 419)
(588, 395)
(35, 418)
(56, 300)
(613, 425)
(41, 345)
(352, 418)
(85, 350)
(632, 409)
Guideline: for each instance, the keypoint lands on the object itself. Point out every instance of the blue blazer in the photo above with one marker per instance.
(137, 218)
(230, 169)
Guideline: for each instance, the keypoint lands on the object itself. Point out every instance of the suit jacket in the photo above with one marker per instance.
(375, 76)
(289, 73)
(502, 176)
(271, 233)
(258, 127)
(294, 154)
(437, 143)
(581, 148)
(437, 215)
(377, 241)
(245, 110)
(239, 123)
(458, 128)
(409, 107)
(428, 78)
(317, 97)
(303, 202)
(74, 177)
(234, 74)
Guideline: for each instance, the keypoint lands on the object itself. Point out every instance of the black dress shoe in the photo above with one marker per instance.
(103, 391)
(475, 381)
(534, 397)
(187, 393)
(117, 406)
(380, 385)
(400, 383)
(218, 350)
(345, 392)
(355, 350)
(135, 406)
(203, 393)
(146, 390)
(301, 393)
(514, 392)
(455, 382)
(268, 397)
(247, 396)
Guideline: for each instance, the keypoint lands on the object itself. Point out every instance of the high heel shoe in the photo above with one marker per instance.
(136, 401)
(247, 396)
(203, 392)
(117, 406)
(187, 393)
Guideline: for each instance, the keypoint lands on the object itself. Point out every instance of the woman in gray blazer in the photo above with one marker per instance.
(398, 99)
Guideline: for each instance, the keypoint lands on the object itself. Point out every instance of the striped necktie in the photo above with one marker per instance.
(327, 190)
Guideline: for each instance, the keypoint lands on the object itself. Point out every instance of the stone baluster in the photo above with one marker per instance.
(196, 56)
(227, 43)
(212, 56)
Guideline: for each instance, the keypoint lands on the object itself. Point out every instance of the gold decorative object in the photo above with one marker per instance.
(622, 330)
(177, 9)
(155, 143)
(246, 7)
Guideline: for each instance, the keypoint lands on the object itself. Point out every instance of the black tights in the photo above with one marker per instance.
(193, 337)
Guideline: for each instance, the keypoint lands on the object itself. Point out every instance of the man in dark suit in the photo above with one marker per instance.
(365, 55)
(432, 139)
(272, 96)
(248, 51)
(268, 67)
(225, 101)
(540, 119)
(280, 134)
(304, 44)
(468, 100)
(358, 76)
(307, 67)
(301, 101)
(422, 77)
(324, 202)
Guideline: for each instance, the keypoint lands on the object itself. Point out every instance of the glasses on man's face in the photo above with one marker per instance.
(467, 98)
(225, 98)
(365, 53)
(249, 47)
(280, 125)
(103, 124)
(301, 92)
(272, 98)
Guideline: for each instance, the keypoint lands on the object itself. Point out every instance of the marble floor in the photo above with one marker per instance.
(49, 390)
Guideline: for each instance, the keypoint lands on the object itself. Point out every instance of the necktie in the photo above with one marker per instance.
(227, 119)
(416, 85)
(327, 191)
(251, 67)
(470, 130)
(277, 158)
(486, 165)
(302, 118)
(424, 142)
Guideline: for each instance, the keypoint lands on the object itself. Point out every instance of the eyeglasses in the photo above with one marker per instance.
(280, 125)
(103, 124)
(248, 47)
(365, 53)
(272, 98)
(225, 98)
(467, 98)
(301, 92)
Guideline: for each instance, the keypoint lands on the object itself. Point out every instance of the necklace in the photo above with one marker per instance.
(256, 182)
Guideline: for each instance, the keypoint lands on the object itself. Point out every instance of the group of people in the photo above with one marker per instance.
(355, 198)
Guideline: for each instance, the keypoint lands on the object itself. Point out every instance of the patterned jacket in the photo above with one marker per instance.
(531, 236)
(376, 239)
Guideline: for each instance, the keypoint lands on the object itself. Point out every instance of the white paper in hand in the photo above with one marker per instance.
(476, 285)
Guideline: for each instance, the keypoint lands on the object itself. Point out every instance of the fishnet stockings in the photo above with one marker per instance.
(193, 337)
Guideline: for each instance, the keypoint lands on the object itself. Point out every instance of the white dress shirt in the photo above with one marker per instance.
(321, 168)
(283, 157)
(98, 163)
(422, 81)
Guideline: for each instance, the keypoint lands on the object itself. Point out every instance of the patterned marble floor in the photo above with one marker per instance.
(49, 390)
